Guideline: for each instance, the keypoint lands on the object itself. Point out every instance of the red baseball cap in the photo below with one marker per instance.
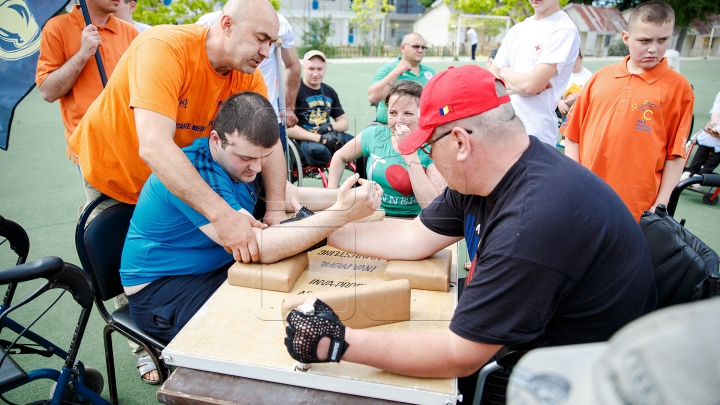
(451, 95)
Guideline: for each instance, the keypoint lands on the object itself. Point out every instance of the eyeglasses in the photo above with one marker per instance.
(417, 47)
(425, 146)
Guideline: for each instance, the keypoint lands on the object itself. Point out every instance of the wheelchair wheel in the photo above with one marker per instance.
(295, 166)
(93, 380)
(708, 197)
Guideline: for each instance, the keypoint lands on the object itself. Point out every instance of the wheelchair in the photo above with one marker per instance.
(298, 170)
(711, 196)
(74, 383)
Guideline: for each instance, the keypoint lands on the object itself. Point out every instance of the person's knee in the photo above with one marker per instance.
(315, 153)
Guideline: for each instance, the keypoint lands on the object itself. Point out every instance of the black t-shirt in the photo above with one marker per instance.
(312, 107)
(558, 256)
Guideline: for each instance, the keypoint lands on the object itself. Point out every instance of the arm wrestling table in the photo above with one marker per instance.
(232, 351)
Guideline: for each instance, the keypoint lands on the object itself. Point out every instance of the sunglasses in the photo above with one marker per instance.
(417, 47)
(425, 147)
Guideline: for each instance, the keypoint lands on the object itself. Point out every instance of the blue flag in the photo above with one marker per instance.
(20, 29)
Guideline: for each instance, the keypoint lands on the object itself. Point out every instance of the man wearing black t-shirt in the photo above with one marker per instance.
(557, 258)
(316, 103)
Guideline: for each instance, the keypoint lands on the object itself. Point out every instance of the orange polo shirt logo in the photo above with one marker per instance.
(646, 110)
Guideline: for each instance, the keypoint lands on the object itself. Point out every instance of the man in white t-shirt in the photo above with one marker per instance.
(535, 61)
(125, 12)
(268, 67)
(471, 36)
(580, 75)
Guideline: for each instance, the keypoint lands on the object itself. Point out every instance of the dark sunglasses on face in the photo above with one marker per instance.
(418, 47)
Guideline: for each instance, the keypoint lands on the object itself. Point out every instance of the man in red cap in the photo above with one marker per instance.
(557, 258)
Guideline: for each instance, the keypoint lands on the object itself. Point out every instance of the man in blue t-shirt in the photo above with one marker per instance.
(173, 261)
(557, 258)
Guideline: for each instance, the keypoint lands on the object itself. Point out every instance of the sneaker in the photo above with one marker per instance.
(684, 176)
(695, 187)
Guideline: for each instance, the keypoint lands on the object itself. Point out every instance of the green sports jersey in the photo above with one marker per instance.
(386, 166)
(425, 74)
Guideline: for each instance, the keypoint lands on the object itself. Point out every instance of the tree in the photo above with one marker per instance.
(316, 36)
(426, 3)
(155, 12)
(517, 10)
(369, 15)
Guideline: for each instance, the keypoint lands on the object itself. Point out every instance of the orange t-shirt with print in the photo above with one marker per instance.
(626, 126)
(166, 70)
(60, 41)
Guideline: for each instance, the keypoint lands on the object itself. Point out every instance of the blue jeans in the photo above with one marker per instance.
(316, 154)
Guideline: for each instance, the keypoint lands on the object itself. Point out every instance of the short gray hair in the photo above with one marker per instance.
(492, 125)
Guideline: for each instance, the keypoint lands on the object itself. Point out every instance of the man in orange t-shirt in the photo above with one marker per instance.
(66, 67)
(164, 94)
(630, 123)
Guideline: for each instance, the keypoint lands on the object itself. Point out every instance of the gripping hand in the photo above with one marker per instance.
(305, 331)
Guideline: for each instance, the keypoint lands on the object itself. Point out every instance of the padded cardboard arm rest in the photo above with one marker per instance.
(280, 276)
(364, 306)
(432, 273)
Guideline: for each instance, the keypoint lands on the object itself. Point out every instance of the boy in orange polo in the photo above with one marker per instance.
(630, 123)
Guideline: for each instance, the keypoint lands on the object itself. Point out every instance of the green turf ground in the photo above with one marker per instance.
(41, 190)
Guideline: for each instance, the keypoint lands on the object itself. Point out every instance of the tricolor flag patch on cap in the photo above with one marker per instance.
(446, 110)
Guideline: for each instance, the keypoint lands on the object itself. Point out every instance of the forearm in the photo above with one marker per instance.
(341, 124)
(337, 167)
(280, 241)
(292, 85)
(670, 177)
(418, 354)
(528, 83)
(314, 198)
(379, 89)
(302, 134)
(572, 150)
(61, 80)
(273, 177)
(423, 189)
(402, 240)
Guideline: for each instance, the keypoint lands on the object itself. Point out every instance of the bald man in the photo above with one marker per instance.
(164, 94)
(406, 67)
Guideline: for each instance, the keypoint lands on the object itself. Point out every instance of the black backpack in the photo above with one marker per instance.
(686, 269)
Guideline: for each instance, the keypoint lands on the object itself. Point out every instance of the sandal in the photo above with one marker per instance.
(145, 365)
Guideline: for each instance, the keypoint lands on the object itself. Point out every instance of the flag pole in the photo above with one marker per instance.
(98, 59)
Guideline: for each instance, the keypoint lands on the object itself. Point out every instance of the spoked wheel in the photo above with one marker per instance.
(93, 380)
(295, 166)
(710, 198)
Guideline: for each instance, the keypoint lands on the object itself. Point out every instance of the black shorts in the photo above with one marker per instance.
(164, 306)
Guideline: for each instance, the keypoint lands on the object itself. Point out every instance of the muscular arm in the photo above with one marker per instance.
(396, 239)
(292, 83)
(379, 89)
(60, 81)
(526, 83)
(273, 177)
(349, 152)
(284, 240)
(419, 354)
(172, 167)
(670, 177)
